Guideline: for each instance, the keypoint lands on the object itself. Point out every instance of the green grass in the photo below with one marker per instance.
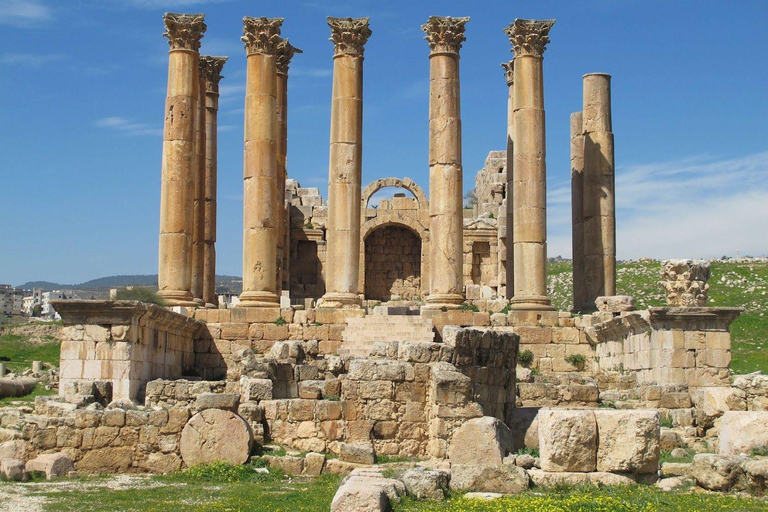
(666, 456)
(730, 285)
(140, 293)
(29, 399)
(21, 353)
(588, 499)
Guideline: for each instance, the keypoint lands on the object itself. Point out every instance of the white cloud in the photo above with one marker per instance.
(28, 59)
(165, 4)
(127, 127)
(23, 13)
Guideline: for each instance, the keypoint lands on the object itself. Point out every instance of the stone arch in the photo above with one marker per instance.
(405, 183)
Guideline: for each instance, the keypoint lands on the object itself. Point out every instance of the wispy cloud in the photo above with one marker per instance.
(29, 59)
(299, 71)
(23, 13)
(127, 127)
(165, 4)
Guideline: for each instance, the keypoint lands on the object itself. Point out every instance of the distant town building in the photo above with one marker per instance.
(11, 300)
(31, 300)
(47, 310)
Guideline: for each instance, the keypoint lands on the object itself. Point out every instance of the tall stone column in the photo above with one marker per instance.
(509, 75)
(599, 190)
(577, 209)
(198, 206)
(184, 32)
(529, 39)
(285, 52)
(212, 67)
(446, 211)
(261, 200)
(345, 168)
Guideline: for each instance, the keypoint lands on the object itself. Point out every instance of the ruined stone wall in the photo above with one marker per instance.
(392, 264)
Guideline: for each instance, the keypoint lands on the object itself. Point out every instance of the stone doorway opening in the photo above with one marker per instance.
(392, 264)
(482, 270)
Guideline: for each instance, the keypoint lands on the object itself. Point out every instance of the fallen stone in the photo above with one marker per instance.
(711, 402)
(615, 303)
(356, 453)
(716, 472)
(367, 491)
(675, 401)
(288, 464)
(54, 465)
(12, 470)
(225, 401)
(426, 484)
(501, 478)
(485, 440)
(313, 463)
(678, 453)
(670, 484)
(16, 449)
(757, 474)
(525, 461)
(669, 469)
(567, 440)
(339, 467)
(670, 440)
(741, 432)
(628, 441)
(547, 479)
(215, 435)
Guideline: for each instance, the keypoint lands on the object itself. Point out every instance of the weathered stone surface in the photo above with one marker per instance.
(289, 464)
(742, 431)
(672, 483)
(162, 463)
(483, 439)
(567, 440)
(757, 474)
(712, 402)
(12, 469)
(106, 460)
(426, 484)
(675, 401)
(255, 389)
(615, 303)
(226, 401)
(546, 479)
(215, 434)
(356, 453)
(628, 441)
(670, 440)
(366, 492)
(501, 478)
(669, 469)
(54, 465)
(16, 449)
(313, 463)
(716, 472)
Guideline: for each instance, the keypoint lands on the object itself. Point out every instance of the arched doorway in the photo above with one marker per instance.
(392, 264)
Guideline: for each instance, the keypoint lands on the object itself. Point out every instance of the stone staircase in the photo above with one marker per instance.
(361, 333)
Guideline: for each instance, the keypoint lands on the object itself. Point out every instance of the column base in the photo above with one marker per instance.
(531, 303)
(199, 303)
(443, 300)
(340, 300)
(259, 300)
(177, 298)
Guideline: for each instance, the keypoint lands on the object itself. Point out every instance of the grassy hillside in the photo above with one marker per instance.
(732, 284)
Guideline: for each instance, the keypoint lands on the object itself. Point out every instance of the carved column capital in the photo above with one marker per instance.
(261, 35)
(210, 72)
(444, 33)
(285, 52)
(184, 31)
(529, 37)
(349, 35)
(509, 72)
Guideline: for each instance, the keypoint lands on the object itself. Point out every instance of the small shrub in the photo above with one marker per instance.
(331, 398)
(280, 321)
(310, 225)
(577, 360)
(142, 294)
(533, 452)
(665, 422)
(469, 307)
(525, 358)
(760, 451)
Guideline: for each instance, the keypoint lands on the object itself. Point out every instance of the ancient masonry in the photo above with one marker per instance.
(418, 328)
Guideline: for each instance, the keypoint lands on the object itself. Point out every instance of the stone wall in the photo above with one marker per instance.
(393, 264)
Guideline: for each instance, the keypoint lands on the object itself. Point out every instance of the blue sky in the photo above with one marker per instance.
(83, 88)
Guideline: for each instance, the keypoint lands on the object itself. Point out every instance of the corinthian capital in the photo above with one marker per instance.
(210, 71)
(184, 31)
(509, 72)
(285, 52)
(261, 35)
(349, 35)
(529, 37)
(445, 34)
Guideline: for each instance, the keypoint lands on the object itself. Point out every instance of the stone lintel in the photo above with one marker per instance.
(184, 31)
(694, 318)
(285, 52)
(261, 35)
(210, 70)
(349, 35)
(529, 37)
(445, 34)
(509, 72)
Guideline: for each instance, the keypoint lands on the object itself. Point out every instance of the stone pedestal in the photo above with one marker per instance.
(577, 210)
(261, 196)
(529, 195)
(509, 75)
(599, 203)
(445, 36)
(184, 32)
(345, 168)
(212, 67)
(198, 205)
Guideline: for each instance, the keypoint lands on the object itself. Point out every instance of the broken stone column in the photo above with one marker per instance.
(509, 75)
(261, 197)
(285, 52)
(184, 32)
(345, 168)
(529, 195)
(577, 210)
(599, 200)
(446, 211)
(198, 205)
(212, 67)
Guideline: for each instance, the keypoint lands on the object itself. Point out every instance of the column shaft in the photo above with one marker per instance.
(198, 213)
(577, 209)
(509, 69)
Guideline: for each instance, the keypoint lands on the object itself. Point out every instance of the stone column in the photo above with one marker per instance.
(509, 75)
(529, 39)
(198, 206)
(261, 200)
(446, 211)
(212, 67)
(285, 52)
(345, 168)
(599, 190)
(577, 209)
(184, 32)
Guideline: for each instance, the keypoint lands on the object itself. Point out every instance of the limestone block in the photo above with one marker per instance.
(14, 449)
(215, 434)
(716, 472)
(311, 389)
(106, 460)
(742, 431)
(483, 439)
(226, 401)
(567, 440)
(54, 465)
(370, 369)
(255, 389)
(288, 463)
(675, 401)
(501, 478)
(547, 480)
(426, 484)
(628, 441)
(314, 463)
(356, 453)
(711, 402)
(367, 493)
(162, 463)
(615, 303)
(12, 470)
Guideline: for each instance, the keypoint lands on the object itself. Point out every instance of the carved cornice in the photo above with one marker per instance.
(444, 33)
(529, 37)
(509, 72)
(349, 35)
(261, 35)
(184, 31)
(285, 52)
(210, 72)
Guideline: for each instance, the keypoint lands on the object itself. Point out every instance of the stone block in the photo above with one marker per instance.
(356, 453)
(742, 431)
(215, 435)
(426, 484)
(711, 402)
(628, 441)
(255, 389)
(54, 465)
(567, 440)
(484, 439)
(225, 401)
(716, 472)
(314, 463)
(501, 478)
(12, 470)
